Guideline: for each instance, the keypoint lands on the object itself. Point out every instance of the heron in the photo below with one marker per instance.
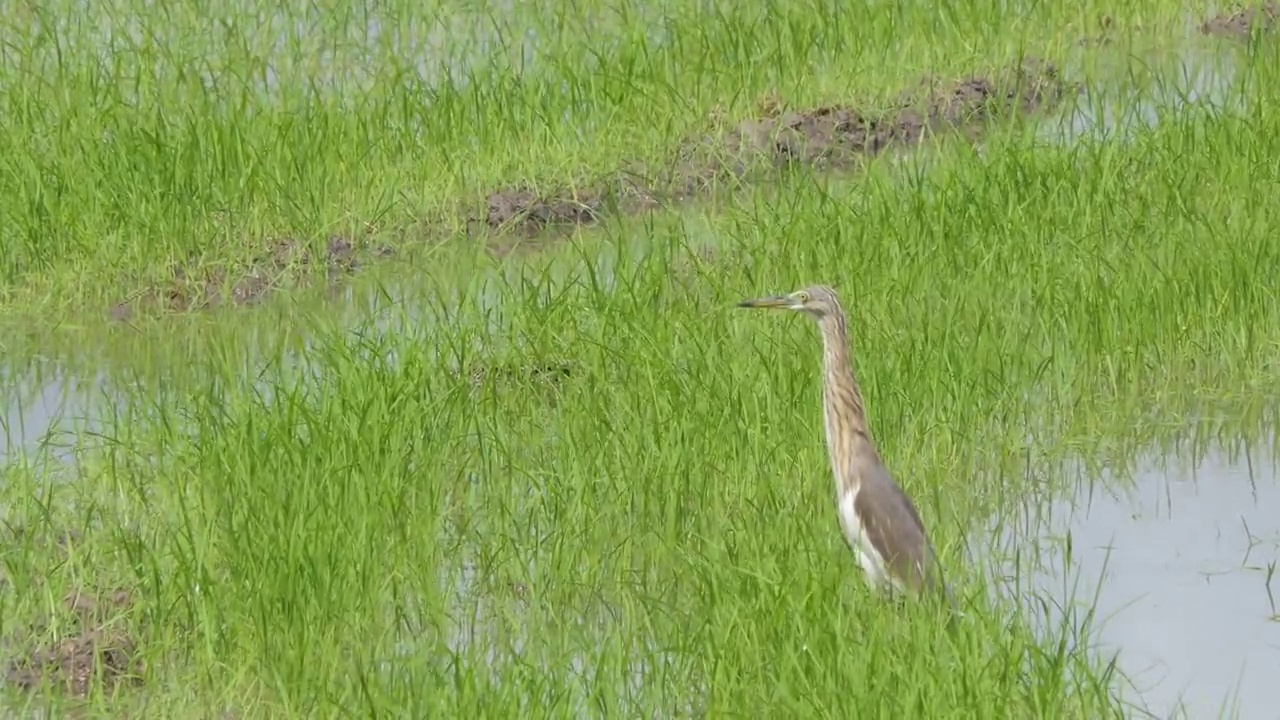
(878, 519)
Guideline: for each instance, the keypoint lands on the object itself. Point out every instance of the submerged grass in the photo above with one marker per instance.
(137, 135)
(352, 527)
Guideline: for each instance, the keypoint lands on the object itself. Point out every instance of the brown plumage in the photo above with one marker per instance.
(878, 520)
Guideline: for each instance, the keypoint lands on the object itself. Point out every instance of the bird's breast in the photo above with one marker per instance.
(856, 535)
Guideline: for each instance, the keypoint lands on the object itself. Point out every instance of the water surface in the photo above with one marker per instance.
(1181, 560)
(1128, 92)
(40, 404)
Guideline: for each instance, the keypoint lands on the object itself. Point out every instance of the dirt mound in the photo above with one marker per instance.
(826, 137)
(753, 149)
(838, 136)
(512, 215)
(524, 211)
(95, 652)
(196, 287)
(550, 373)
(1241, 24)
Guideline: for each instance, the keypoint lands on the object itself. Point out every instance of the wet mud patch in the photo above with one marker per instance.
(81, 643)
(547, 373)
(546, 378)
(84, 642)
(194, 286)
(1241, 24)
(1103, 33)
(92, 650)
(841, 136)
(523, 217)
(756, 148)
(691, 271)
(724, 155)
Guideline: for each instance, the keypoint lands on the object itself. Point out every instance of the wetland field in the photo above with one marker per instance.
(382, 360)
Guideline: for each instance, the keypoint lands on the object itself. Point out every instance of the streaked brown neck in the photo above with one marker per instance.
(848, 437)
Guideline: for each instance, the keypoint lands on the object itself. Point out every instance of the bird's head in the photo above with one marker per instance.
(817, 301)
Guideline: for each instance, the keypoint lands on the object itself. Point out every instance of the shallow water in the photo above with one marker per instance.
(1196, 72)
(336, 47)
(1180, 560)
(39, 405)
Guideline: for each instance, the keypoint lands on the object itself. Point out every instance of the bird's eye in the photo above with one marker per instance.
(802, 296)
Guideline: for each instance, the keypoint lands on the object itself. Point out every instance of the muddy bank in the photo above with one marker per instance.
(1242, 23)
(200, 287)
(723, 154)
(757, 148)
(92, 653)
(83, 643)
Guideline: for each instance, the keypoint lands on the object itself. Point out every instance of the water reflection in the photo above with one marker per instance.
(336, 47)
(38, 405)
(1181, 565)
(503, 630)
(1129, 93)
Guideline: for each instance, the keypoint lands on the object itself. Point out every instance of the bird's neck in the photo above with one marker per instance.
(848, 437)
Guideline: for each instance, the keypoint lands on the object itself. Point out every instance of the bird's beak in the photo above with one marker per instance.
(775, 301)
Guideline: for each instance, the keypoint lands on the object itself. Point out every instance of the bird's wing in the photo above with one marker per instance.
(894, 527)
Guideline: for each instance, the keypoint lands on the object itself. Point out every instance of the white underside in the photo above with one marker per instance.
(870, 561)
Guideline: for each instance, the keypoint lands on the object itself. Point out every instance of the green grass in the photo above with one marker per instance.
(186, 132)
(311, 529)
(318, 517)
